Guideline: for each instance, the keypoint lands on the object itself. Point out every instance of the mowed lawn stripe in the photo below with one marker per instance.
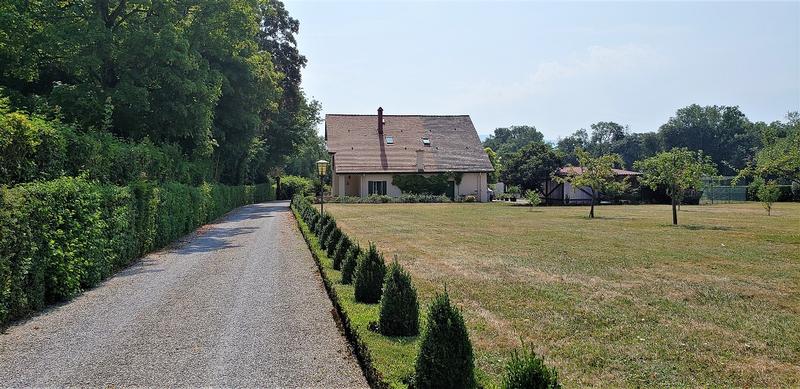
(625, 299)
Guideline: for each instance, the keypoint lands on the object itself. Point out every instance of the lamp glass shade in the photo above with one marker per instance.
(322, 167)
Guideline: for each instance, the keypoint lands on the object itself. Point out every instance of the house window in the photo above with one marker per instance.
(426, 141)
(389, 140)
(376, 188)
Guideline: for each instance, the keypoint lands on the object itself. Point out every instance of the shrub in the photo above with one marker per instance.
(399, 314)
(326, 232)
(533, 198)
(445, 357)
(332, 241)
(470, 199)
(322, 222)
(403, 198)
(292, 185)
(340, 253)
(527, 370)
(350, 263)
(60, 237)
(369, 275)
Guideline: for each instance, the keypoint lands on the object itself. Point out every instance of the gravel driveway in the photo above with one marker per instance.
(239, 303)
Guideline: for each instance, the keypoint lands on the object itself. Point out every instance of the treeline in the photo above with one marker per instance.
(125, 124)
(736, 145)
(213, 85)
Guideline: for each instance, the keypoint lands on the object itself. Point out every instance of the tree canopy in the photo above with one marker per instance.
(531, 166)
(218, 78)
(677, 171)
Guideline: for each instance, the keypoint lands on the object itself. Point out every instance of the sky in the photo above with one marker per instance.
(557, 66)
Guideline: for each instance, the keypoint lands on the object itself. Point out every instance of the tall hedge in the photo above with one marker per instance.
(399, 314)
(330, 226)
(368, 278)
(445, 357)
(60, 237)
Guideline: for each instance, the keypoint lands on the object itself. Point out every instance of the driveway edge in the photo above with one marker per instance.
(374, 377)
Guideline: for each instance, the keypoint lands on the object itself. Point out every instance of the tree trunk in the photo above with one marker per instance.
(591, 210)
(674, 212)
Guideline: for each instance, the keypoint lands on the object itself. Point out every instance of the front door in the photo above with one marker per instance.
(451, 190)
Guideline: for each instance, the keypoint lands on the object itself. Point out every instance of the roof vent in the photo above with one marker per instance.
(426, 141)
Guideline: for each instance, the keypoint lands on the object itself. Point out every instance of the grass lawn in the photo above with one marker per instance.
(623, 300)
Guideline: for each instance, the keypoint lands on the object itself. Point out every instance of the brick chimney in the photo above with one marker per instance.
(380, 120)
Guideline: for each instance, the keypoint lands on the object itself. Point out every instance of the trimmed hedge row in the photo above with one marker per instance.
(60, 237)
(35, 148)
(444, 356)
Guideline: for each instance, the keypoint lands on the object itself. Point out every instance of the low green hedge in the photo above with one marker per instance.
(60, 237)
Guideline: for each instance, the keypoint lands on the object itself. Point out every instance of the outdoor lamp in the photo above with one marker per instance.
(322, 168)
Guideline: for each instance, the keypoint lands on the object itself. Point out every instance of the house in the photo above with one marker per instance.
(564, 193)
(368, 151)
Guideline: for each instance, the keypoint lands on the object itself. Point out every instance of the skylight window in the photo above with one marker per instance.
(389, 140)
(426, 141)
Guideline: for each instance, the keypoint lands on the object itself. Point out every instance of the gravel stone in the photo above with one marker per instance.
(238, 303)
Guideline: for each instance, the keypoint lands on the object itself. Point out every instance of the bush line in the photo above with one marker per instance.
(444, 358)
(61, 237)
(374, 377)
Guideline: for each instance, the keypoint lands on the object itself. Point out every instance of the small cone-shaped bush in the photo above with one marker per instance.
(399, 314)
(332, 241)
(340, 252)
(445, 357)
(368, 278)
(527, 370)
(350, 263)
(322, 222)
(323, 236)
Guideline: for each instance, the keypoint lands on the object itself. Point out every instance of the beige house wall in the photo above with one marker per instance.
(356, 185)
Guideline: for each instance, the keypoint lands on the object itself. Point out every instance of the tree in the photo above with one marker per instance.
(495, 160)
(595, 173)
(767, 192)
(604, 137)
(531, 166)
(720, 132)
(568, 145)
(507, 141)
(780, 157)
(677, 170)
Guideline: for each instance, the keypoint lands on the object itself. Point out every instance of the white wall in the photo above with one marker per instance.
(471, 184)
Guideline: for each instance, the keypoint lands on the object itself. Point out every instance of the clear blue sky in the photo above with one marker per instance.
(557, 66)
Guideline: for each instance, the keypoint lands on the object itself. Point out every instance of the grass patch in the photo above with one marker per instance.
(620, 301)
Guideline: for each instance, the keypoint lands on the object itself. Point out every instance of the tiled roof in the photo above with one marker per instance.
(454, 144)
(579, 170)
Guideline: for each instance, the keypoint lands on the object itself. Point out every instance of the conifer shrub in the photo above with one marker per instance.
(527, 370)
(369, 275)
(399, 315)
(350, 263)
(445, 357)
(322, 222)
(326, 232)
(332, 241)
(340, 253)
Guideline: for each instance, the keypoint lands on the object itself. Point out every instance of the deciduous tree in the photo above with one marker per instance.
(677, 170)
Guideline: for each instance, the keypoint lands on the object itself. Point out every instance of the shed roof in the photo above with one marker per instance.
(454, 145)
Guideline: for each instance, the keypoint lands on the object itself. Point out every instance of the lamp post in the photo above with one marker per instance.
(322, 168)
